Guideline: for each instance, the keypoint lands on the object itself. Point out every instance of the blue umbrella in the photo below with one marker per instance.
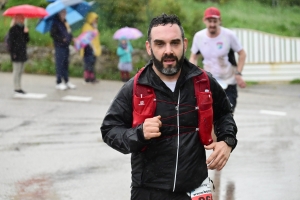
(83, 8)
(53, 8)
(67, 2)
(73, 16)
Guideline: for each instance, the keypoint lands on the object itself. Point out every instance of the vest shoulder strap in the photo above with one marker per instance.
(138, 89)
(201, 82)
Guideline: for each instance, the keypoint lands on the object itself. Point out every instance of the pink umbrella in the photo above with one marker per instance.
(84, 39)
(127, 32)
(28, 11)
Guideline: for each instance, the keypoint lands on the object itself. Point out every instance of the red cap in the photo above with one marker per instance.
(212, 12)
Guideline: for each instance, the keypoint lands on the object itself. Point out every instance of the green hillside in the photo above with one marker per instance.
(251, 15)
(281, 20)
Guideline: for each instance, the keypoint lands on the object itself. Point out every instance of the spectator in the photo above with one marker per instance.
(18, 38)
(91, 51)
(62, 37)
(125, 60)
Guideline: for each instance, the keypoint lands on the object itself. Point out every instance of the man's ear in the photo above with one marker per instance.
(185, 43)
(148, 48)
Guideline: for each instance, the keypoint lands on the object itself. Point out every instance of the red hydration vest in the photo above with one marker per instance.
(144, 105)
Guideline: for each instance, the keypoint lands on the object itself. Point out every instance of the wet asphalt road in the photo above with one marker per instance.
(51, 149)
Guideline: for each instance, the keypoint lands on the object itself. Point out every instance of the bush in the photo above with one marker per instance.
(121, 13)
(276, 3)
(41, 3)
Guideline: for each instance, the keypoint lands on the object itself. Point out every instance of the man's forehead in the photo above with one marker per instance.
(165, 26)
(166, 31)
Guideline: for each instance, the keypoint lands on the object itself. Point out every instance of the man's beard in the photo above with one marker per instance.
(212, 30)
(170, 70)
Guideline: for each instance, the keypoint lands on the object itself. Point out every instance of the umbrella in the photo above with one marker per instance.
(67, 2)
(83, 8)
(84, 39)
(128, 32)
(80, 6)
(73, 16)
(28, 11)
(71, 2)
(53, 8)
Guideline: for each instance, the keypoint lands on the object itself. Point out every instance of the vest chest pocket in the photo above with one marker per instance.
(144, 107)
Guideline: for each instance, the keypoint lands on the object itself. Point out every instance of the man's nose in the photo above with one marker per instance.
(168, 49)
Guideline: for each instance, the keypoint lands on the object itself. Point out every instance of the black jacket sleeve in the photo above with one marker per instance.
(224, 124)
(116, 127)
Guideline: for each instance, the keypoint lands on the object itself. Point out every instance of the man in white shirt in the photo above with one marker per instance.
(214, 44)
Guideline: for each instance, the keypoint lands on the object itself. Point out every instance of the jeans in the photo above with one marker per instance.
(62, 64)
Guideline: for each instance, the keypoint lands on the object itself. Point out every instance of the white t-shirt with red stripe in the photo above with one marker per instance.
(215, 53)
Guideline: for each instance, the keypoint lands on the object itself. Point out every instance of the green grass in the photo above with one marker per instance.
(249, 83)
(248, 14)
(296, 81)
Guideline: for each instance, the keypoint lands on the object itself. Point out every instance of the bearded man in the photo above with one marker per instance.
(167, 159)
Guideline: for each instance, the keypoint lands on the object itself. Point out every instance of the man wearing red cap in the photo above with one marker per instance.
(217, 45)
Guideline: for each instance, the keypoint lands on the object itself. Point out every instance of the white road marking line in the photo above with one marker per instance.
(76, 98)
(271, 112)
(30, 96)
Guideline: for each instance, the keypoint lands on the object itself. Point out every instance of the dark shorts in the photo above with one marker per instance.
(232, 95)
(156, 194)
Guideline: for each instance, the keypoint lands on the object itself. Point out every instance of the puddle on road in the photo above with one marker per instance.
(230, 188)
(38, 188)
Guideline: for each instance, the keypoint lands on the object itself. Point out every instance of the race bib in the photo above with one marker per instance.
(203, 192)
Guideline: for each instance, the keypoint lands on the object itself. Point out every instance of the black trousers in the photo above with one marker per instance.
(156, 194)
(232, 95)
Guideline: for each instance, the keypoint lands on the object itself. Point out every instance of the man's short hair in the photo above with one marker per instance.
(163, 20)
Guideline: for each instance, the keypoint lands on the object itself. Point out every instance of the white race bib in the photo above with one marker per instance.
(203, 192)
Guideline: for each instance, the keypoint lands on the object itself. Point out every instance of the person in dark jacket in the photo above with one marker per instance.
(167, 159)
(18, 38)
(62, 38)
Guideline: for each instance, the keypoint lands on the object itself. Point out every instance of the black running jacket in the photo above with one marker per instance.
(175, 161)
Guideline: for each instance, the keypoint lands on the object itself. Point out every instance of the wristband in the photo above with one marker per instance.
(238, 73)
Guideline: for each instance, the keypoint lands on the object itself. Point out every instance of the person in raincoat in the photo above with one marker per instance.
(124, 52)
(91, 51)
(18, 38)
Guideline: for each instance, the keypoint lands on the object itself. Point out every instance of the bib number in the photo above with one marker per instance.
(203, 192)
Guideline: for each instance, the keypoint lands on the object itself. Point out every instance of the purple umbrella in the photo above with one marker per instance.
(127, 32)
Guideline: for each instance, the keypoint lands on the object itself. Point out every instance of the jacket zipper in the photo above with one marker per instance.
(175, 176)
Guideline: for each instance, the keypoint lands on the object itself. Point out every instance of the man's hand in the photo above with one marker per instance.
(151, 127)
(26, 30)
(240, 81)
(220, 155)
